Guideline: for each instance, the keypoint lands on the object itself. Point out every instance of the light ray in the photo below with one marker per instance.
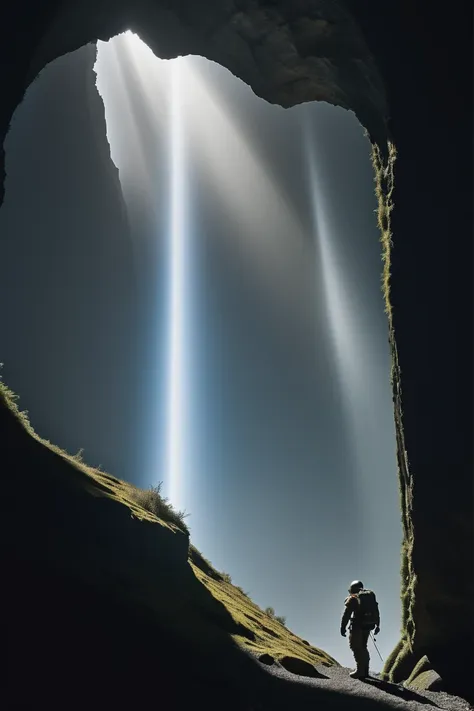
(176, 379)
(273, 243)
(272, 239)
(344, 324)
(339, 305)
(128, 155)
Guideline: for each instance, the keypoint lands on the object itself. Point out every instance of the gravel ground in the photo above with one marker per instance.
(345, 693)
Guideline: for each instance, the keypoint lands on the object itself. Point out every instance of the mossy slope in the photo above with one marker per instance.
(259, 633)
(79, 537)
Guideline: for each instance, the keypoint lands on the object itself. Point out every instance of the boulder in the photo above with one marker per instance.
(266, 659)
(427, 681)
(299, 666)
(424, 677)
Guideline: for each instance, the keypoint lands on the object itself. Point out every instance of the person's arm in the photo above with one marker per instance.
(349, 607)
(377, 628)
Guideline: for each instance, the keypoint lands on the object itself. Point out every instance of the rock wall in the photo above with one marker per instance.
(84, 318)
(405, 77)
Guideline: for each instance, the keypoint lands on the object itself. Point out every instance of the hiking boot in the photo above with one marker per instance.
(357, 674)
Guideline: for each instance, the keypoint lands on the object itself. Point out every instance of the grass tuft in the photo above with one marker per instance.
(279, 618)
(153, 501)
(138, 500)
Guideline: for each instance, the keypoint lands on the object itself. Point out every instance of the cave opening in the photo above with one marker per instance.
(377, 61)
(289, 394)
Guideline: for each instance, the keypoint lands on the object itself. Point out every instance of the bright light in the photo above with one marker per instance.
(266, 237)
(272, 240)
(176, 380)
(158, 99)
(351, 353)
(338, 301)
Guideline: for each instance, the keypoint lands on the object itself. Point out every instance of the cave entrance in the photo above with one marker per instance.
(285, 352)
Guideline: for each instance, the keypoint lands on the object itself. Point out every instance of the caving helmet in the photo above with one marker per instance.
(356, 586)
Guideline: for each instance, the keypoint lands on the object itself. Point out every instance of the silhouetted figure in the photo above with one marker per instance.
(362, 610)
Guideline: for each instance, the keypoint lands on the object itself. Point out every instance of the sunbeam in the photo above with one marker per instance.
(349, 349)
(340, 309)
(273, 240)
(176, 438)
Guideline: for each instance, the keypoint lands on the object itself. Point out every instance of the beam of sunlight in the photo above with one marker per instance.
(275, 245)
(336, 297)
(133, 84)
(273, 241)
(129, 156)
(347, 340)
(177, 325)
(140, 89)
(113, 90)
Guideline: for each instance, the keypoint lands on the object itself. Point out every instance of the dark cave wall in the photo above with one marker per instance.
(432, 305)
(386, 67)
(84, 317)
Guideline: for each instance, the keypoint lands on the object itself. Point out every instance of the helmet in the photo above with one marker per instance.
(355, 586)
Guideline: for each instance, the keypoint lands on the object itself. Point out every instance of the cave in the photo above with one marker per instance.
(408, 84)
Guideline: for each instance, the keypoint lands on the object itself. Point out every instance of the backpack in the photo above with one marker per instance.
(367, 613)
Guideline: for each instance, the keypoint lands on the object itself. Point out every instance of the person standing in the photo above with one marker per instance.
(362, 611)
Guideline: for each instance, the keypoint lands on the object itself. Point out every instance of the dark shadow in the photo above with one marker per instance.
(83, 628)
(301, 695)
(400, 691)
(105, 612)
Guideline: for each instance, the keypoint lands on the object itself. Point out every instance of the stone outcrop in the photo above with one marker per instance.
(408, 80)
(266, 659)
(299, 666)
(424, 677)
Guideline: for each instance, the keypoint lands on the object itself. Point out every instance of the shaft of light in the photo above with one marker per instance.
(176, 401)
(266, 232)
(332, 278)
(344, 323)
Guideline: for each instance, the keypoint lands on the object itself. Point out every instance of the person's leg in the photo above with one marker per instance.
(356, 643)
(365, 656)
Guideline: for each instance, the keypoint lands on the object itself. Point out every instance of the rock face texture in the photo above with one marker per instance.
(90, 255)
(299, 666)
(423, 677)
(395, 65)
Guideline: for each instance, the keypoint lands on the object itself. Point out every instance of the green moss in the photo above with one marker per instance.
(402, 664)
(398, 662)
(199, 603)
(261, 633)
(384, 186)
(423, 665)
(426, 680)
(152, 500)
(143, 504)
(389, 662)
